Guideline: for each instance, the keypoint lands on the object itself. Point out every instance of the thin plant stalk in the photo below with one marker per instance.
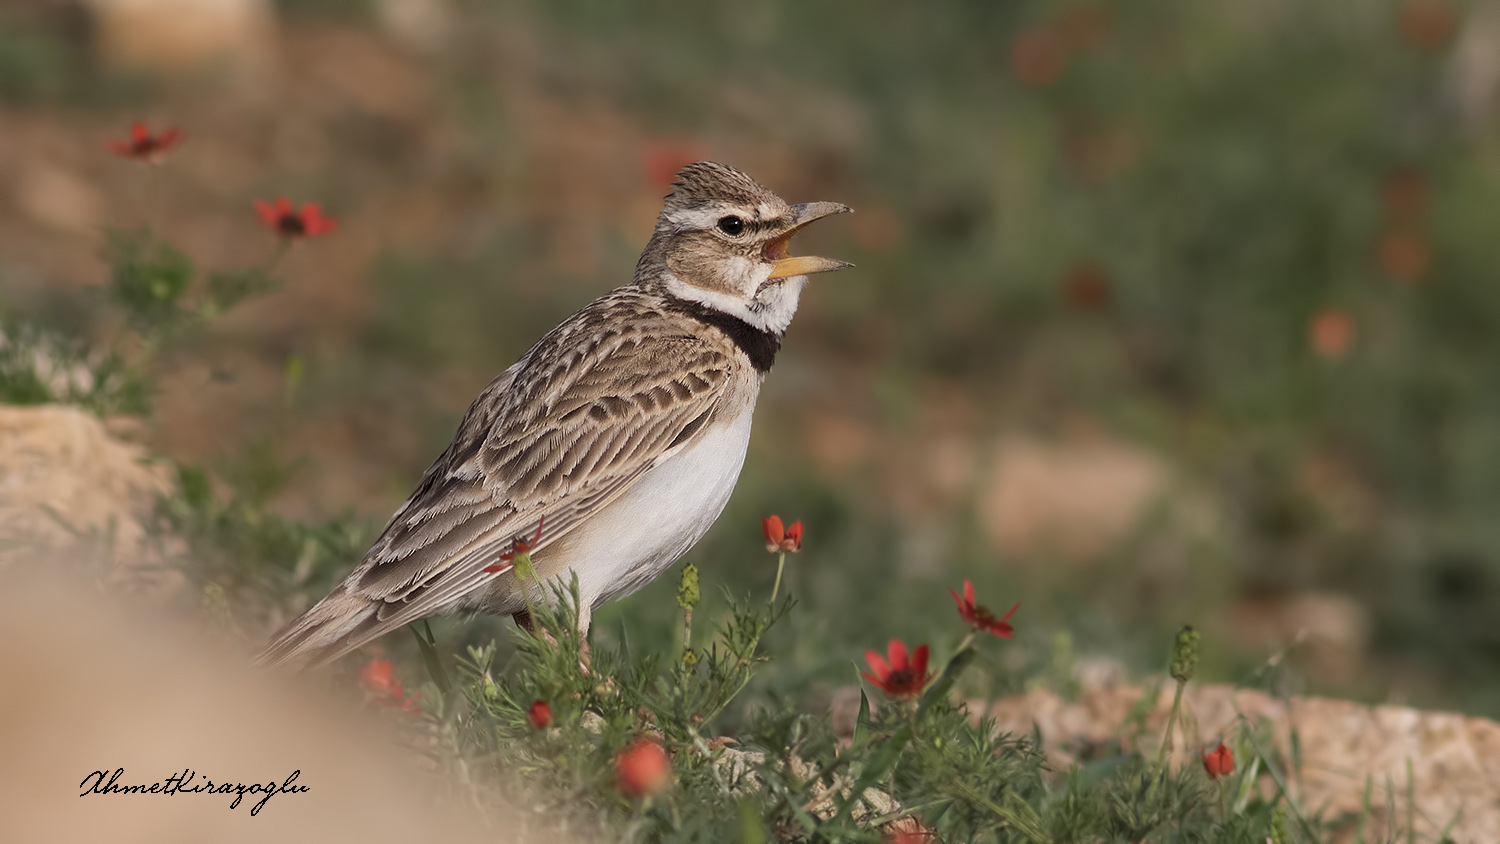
(776, 587)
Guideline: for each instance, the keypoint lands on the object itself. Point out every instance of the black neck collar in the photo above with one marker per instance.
(758, 344)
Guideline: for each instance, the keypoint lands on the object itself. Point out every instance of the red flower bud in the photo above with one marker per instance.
(1218, 762)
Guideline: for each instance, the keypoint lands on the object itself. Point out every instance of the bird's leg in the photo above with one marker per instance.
(585, 614)
(524, 621)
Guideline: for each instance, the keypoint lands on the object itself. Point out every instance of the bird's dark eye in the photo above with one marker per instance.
(732, 226)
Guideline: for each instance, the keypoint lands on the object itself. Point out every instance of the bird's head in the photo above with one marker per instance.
(721, 240)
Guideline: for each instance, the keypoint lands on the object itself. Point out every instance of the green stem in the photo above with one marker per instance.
(964, 645)
(1166, 743)
(283, 245)
(153, 196)
(776, 587)
(428, 647)
(1166, 739)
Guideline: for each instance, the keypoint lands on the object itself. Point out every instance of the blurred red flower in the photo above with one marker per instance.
(1428, 24)
(1404, 195)
(1038, 56)
(1331, 332)
(900, 678)
(979, 617)
(661, 160)
(1218, 762)
(378, 677)
(1084, 27)
(281, 218)
(1085, 287)
(642, 768)
(146, 146)
(779, 539)
(1404, 255)
(1097, 154)
(539, 715)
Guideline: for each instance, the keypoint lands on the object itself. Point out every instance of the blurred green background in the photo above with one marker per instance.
(1165, 311)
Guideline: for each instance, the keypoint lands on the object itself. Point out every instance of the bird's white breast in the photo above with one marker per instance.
(666, 512)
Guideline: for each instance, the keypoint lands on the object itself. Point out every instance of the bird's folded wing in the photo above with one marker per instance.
(555, 443)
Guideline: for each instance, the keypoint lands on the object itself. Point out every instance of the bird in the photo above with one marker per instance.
(609, 448)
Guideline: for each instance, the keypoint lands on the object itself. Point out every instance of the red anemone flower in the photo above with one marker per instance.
(540, 715)
(781, 539)
(1218, 762)
(145, 146)
(642, 768)
(281, 218)
(980, 617)
(900, 678)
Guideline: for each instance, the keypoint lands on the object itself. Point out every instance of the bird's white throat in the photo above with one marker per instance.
(772, 308)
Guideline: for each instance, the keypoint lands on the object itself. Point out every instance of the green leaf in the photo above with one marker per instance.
(862, 723)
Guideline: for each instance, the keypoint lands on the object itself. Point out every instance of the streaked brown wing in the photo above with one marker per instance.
(561, 438)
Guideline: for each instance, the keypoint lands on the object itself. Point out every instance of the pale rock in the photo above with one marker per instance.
(177, 36)
(63, 478)
(1454, 759)
(1075, 499)
(58, 198)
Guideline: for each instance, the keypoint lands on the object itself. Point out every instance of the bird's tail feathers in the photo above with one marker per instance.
(335, 626)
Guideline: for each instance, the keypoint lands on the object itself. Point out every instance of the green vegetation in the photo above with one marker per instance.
(1250, 243)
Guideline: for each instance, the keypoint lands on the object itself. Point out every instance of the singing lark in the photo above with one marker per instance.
(619, 436)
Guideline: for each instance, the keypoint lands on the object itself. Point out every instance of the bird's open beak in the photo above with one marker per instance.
(786, 266)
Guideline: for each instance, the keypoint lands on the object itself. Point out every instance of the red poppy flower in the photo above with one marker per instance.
(282, 218)
(1218, 762)
(146, 146)
(900, 678)
(979, 617)
(642, 768)
(519, 545)
(540, 715)
(781, 539)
